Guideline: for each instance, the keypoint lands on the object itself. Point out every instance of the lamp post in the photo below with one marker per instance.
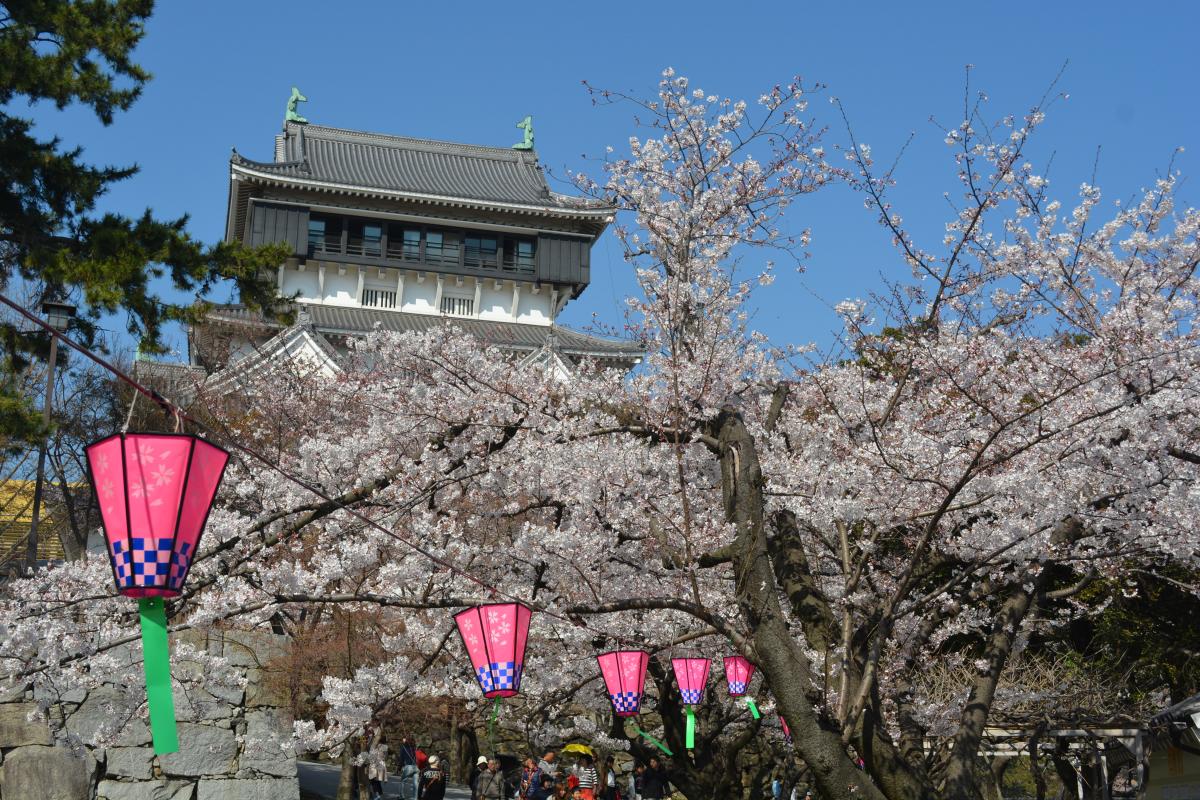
(59, 316)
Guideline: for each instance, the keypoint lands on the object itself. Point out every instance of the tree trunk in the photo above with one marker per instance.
(345, 790)
(993, 787)
(777, 654)
(960, 772)
(467, 750)
(454, 756)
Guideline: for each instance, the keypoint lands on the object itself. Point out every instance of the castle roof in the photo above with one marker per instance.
(514, 336)
(355, 162)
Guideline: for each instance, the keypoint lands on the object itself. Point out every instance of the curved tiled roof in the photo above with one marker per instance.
(420, 167)
(329, 319)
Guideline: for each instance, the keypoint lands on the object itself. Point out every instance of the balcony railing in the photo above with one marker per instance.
(439, 249)
(367, 248)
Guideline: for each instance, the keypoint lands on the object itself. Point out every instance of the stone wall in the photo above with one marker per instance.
(231, 740)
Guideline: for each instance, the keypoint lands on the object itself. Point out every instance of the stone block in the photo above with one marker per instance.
(188, 671)
(108, 711)
(128, 762)
(47, 773)
(69, 696)
(146, 790)
(263, 689)
(267, 745)
(12, 692)
(263, 789)
(203, 750)
(17, 730)
(252, 648)
(195, 705)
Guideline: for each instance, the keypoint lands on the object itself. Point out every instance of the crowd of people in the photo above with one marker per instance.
(546, 779)
(424, 777)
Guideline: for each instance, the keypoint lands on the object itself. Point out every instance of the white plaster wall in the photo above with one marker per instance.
(534, 308)
(239, 348)
(303, 282)
(341, 290)
(419, 297)
(495, 304)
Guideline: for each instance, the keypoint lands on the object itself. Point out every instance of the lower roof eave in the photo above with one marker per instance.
(604, 215)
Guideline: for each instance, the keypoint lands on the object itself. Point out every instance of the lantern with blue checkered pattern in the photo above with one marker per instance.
(624, 674)
(154, 491)
(494, 636)
(738, 672)
(692, 676)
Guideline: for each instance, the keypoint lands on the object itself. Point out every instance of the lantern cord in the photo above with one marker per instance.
(753, 708)
(129, 416)
(654, 741)
(156, 661)
(180, 416)
(690, 732)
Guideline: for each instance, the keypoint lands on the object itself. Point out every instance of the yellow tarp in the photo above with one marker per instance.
(16, 513)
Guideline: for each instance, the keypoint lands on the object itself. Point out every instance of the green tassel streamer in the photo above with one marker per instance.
(690, 735)
(492, 724)
(753, 708)
(654, 741)
(156, 659)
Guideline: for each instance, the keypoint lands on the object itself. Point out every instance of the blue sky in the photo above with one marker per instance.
(468, 71)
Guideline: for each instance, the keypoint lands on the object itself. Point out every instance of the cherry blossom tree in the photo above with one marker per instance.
(1009, 423)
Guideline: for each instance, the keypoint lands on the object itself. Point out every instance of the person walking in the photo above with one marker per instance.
(636, 779)
(611, 779)
(529, 777)
(433, 780)
(377, 773)
(586, 773)
(547, 778)
(490, 783)
(410, 773)
(473, 777)
(655, 785)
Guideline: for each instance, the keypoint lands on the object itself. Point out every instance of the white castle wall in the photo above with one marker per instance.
(420, 295)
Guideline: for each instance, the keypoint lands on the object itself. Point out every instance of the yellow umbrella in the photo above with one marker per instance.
(578, 748)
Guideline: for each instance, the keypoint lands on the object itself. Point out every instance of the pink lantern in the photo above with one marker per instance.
(155, 491)
(738, 672)
(494, 636)
(692, 676)
(787, 732)
(624, 674)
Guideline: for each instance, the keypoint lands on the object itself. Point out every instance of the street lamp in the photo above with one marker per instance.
(59, 316)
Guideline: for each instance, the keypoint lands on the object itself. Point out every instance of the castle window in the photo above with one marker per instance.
(379, 298)
(480, 251)
(458, 306)
(441, 247)
(365, 239)
(404, 243)
(324, 234)
(519, 255)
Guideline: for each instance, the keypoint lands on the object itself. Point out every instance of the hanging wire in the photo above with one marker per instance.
(180, 416)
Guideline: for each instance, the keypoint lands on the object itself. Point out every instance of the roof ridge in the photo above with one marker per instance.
(431, 145)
